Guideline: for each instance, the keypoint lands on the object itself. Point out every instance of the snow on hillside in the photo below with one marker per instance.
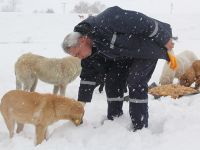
(173, 124)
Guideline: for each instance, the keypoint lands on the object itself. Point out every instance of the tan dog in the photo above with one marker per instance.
(57, 71)
(191, 75)
(39, 109)
(184, 61)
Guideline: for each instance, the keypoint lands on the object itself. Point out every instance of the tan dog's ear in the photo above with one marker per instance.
(182, 79)
(186, 79)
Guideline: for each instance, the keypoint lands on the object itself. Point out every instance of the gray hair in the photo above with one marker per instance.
(71, 40)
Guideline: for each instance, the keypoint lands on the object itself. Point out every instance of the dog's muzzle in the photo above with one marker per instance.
(78, 122)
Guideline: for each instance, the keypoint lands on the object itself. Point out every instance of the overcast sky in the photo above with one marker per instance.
(162, 6)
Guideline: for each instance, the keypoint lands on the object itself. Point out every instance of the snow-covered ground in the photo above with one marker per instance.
(173, 124)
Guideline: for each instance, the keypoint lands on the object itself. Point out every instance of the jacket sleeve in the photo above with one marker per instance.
(91, 69)
(135, 23)
(87, 84)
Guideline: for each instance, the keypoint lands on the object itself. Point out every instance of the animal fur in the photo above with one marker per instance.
(184, 61)
(191, 75)
(59, 72)
(41, 110)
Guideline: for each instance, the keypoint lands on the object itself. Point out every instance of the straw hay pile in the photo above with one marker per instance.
(173, 90)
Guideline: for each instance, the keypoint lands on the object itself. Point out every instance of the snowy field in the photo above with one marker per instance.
(173, 124)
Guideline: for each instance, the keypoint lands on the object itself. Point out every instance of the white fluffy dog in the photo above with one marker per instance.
(184, 61)
(59, 72)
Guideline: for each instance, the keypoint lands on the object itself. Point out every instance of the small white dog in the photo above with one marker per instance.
(57, 71)
(184, 61)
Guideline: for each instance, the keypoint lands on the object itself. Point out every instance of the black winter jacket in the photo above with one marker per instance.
(116, 33)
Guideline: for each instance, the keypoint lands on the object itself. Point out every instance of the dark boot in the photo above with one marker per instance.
(139, 115)
(114, 109)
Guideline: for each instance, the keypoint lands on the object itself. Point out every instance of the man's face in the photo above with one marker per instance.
(83, 49)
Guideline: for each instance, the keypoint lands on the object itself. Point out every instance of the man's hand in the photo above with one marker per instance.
(169, 45)
(172, 60)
